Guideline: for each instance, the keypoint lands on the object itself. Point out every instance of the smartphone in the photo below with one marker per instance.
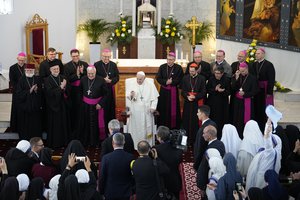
(80, 158)
(239, 187)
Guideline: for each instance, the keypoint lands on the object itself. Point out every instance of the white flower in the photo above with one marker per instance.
(250, 48)
(110, 38)
(113, 34)
(123, 25)
(167, 26)
(181, 37)
(178, 34)
(251, 53)
(251, 58)
(123, 35)
(129, 31)
(161, 34)
(166, 35)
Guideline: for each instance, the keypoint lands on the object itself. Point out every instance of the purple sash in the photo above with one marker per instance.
(172, 89)
(101, 124)
(247, 107)
(76, 83)
(268, 98)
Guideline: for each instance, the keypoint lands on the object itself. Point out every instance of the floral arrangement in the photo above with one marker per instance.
(121, 31)
(251, 52)
(170, 31)
(281, 88)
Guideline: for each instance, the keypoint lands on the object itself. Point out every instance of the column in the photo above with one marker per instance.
(171, 8)
(158, 8)
(121, 6)
(133, 17)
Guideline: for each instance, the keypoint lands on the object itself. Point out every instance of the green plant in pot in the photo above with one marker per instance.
(94, 28)
(205, 32)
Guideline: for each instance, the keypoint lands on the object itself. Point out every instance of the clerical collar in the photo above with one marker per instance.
(261, 61)
(195, 75)
(220, 62)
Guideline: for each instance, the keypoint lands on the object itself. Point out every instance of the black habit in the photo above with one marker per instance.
(264, 72)
(203, 68)
(75, 100)
(218, 101)
(58, 119)
(30, 117)
(88, 120)
(15, 73)
(165, 100)
(111, 70)
(190, 119)
(45, 68)
(248, 84)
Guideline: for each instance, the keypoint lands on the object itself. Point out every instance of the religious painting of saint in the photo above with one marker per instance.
(227, 17)
(262, 20)
(294, 35)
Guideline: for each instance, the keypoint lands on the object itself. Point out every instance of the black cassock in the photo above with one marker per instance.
(249, 86)
(111, 70)
(88, 120)
(75, 98)
(265, 74)
(218, 101)
(29, 104)
(165, 100)
(45, 68)
(203, 67)
(190, 119)
(58, 119)
(15, 73)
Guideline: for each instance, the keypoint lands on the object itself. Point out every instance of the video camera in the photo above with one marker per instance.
(178, 139)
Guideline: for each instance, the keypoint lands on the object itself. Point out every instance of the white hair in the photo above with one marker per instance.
(141, 73)
(91, 68)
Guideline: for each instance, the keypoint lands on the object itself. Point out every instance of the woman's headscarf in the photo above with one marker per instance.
(274, 189)
(293, 135)
(23, 145)
(10, 189)
(46, 157)
(82, 176)
(74, 146)
(217, 168)
(212, 152)
(53, 185)
(231, 139)
(23, 181)
(232, 175)
(71, 188)
(253, 138)
(35, 189)
(255, 193)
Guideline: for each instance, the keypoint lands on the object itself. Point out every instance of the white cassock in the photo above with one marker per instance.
(141, 121)
(269, 158)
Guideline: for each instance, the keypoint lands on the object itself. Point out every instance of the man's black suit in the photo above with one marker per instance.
(172, 157)
(116, 180)
(200, 144)
(145, 178)
(202, 171)
(106, 146)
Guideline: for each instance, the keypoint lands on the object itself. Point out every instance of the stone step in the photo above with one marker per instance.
(293, 96)
(5, 97)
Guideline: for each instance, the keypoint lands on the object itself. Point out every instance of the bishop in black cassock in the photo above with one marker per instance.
(109, 71)
(218, 89)
(58, 119)
(265, 74)
(244, 86)
(193, 92)
(93, 91)
(29, 103)
(74, 71)
(169, 77)
(16, 71)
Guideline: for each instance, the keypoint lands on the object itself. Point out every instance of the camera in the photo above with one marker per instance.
(238, 187)
(178, 139)
(80, 158)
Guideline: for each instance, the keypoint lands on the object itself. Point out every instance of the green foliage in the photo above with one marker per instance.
(121, 31)
(94, 28)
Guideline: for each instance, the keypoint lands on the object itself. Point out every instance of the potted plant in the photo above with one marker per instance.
(204, 32)
(94, 29)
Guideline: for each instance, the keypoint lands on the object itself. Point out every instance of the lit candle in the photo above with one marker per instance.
(176, 54)
(117, 53)
(187, 57)
(181, 55)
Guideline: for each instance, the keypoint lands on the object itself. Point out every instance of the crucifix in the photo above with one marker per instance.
(193, 25)
(89, 92)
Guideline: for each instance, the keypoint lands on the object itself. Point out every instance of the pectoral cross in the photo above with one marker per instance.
(89, 92)
(193, 25)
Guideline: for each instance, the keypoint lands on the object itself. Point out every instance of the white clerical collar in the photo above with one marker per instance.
(261, 61)
(220, 62)
(212, 141)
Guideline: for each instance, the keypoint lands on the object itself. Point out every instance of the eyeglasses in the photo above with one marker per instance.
(39, 145)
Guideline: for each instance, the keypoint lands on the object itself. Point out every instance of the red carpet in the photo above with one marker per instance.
(189, 190)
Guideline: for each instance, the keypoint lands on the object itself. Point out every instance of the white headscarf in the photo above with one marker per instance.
(23, 181)
(82, 176)
(231, 139)
(23, 145)
(212, 152)
(53, 185)
(217, 167)
(253, 138)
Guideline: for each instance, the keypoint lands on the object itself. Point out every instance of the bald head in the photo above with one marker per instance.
(241, 56)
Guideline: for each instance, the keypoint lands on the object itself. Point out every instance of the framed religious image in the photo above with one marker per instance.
(294, 23)
(227, 17)
(262, 20)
